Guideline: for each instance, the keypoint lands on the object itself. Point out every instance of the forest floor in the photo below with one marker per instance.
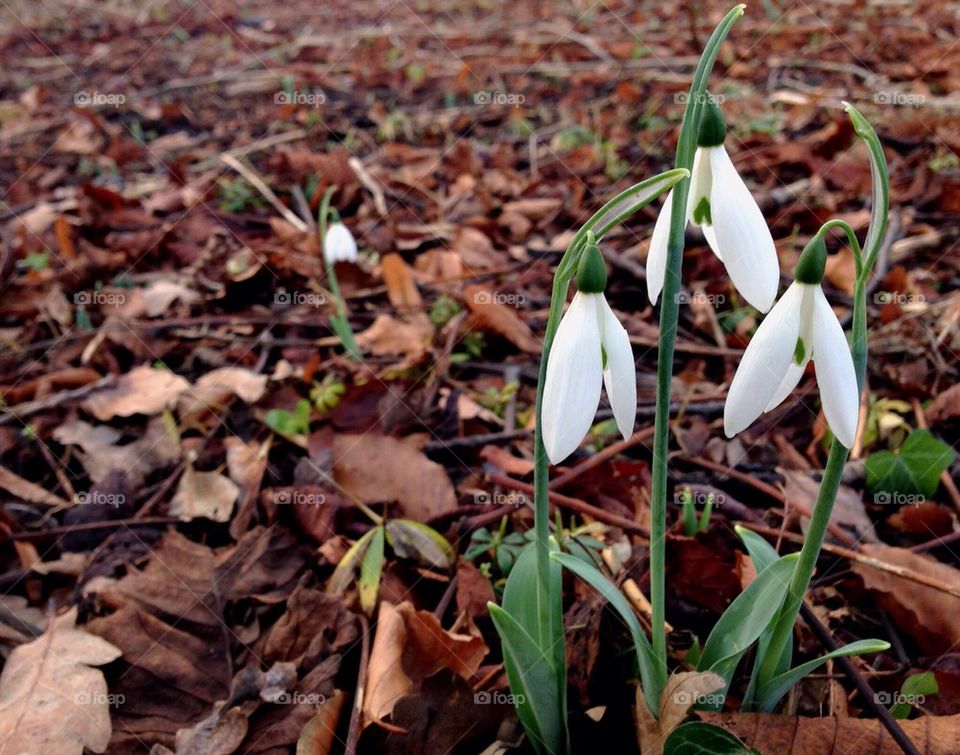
(186, 453)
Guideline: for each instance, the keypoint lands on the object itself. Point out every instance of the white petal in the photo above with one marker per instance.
(743, 239)
(657, 254)
(701, 179)
(339, 244)
(571, 393)
(835, 374)
(764, 364)
(620, 375)
(711, 236)
(795, 371)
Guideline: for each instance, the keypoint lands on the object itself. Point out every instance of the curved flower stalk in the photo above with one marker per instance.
(802, 326)
(530, 621)
(773, 676)
(591, 345)
(721, 205)
(339, 245)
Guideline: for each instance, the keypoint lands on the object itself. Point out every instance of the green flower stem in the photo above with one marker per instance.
(669, 314)
(341, 323)
(837, 458)
(608, 216)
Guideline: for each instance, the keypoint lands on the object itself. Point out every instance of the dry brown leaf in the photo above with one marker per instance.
(945, 406)
(378, 468)
(100, 454)
(52, 699)
(474, 248)
(681, 692)
(398, 278)
(501, 457)
(841, 270)
(409, 646)
(204, 494)
(929, 616)
(28, 491)
(320, 733)
(389, 336)
(848, 511)
(218, 386)
(491, 314)
(143, 390)
(833, 735)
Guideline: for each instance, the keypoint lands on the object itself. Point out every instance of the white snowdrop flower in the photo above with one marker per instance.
(802, 326)
(720, 203)
(339, 245)
(591, 348)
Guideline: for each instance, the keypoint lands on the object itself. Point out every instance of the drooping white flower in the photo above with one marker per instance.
(591, 348)
(339, 244)
(720, 203)
(801, 326)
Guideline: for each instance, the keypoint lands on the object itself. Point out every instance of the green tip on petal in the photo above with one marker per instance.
(591, 272)
(812, 262)
(713, 128)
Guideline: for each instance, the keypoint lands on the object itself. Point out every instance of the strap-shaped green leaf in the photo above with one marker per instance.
(769, 694)
(746, 618)
(370, 569)
(533, 682)
(762, 554)
(652, 684)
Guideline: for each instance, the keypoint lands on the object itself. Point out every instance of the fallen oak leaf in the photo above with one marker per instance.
(681, 692)
(769, 732)
(409, 646)
(377, 468)
(143, 390)
(931, 617)
(52, 698)
(28, 491)
(204, 494)
(488, 312)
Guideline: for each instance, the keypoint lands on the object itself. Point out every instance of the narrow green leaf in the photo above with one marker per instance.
(533, 681)
(880, 208)
(768, 695)
(699, 738)
(649, 678)
(410, 539)
(635, 198)
(746, 618)
(343, 574)
(370, 570)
